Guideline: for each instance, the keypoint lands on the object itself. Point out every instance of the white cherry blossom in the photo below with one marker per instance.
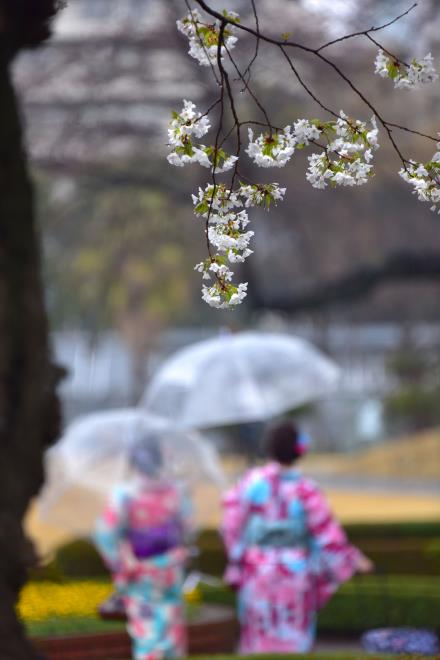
(204, 36)
(271, 149)
(304, 131)
(187, 122)
(406, 76)
(425, 179)
(262, 194)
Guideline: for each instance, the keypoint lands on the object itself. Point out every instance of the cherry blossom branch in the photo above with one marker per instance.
(282, 44)
(344, 159)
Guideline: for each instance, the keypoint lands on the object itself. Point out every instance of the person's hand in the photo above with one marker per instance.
(364, 564)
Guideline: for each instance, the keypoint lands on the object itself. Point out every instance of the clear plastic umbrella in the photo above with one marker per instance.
(93, 456)
(239, 378)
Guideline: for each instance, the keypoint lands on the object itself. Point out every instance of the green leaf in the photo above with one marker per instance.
(202, 208)
(268, 149)
(189, 151)
(393, 70)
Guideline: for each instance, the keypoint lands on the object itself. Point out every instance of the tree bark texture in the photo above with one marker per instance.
(29, 410)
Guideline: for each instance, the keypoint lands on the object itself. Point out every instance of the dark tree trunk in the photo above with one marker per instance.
(29, 412)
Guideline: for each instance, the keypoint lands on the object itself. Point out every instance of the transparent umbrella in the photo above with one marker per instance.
(239, 378)
(93, 456)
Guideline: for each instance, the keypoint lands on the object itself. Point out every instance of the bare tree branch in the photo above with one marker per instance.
(398, 267)
(364, 33)
(284, 44)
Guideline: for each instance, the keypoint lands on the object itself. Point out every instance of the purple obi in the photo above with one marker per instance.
(153, 541)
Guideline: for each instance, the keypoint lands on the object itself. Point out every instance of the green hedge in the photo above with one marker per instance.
(369, 602)
(396, 548)
(422, 529)
(77, 559)
(46, 573)
(212, 557)
(400, 548)
(374, 601)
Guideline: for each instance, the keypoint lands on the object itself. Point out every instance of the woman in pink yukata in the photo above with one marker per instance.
(141, 536)
(286, 552)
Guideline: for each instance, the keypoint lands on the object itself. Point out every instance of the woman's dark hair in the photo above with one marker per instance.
(281, 442)
(146, 456)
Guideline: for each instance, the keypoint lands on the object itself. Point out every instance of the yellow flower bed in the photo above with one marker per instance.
(41, 600)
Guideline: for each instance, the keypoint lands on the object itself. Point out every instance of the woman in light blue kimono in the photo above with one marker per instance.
(141, 536)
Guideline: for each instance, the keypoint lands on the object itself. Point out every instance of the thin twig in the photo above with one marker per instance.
(213, 71)
(225, 78)
(247, 71)
(304, 85)
(366, 32)
(379, 45)
(410, 130)
(249, 90)
(211, 107)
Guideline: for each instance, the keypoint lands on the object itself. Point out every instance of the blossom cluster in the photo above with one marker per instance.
(346, 150)
(204, 37)
(271, 149)
(405, 76)
(224, 210)
(346, 159)
(345, 156)
(183, 128)
(225, 213)
(343, 149)
(425, 179)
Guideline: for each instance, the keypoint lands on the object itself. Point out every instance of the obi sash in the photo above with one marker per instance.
(276, 534)
(152, 541)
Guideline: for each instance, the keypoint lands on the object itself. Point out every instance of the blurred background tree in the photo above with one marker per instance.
(129, 262)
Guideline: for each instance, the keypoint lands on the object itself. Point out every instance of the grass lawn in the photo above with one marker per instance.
(74, 625)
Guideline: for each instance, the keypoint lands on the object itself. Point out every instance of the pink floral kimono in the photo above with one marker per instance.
(140, 536)
(287, 555)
